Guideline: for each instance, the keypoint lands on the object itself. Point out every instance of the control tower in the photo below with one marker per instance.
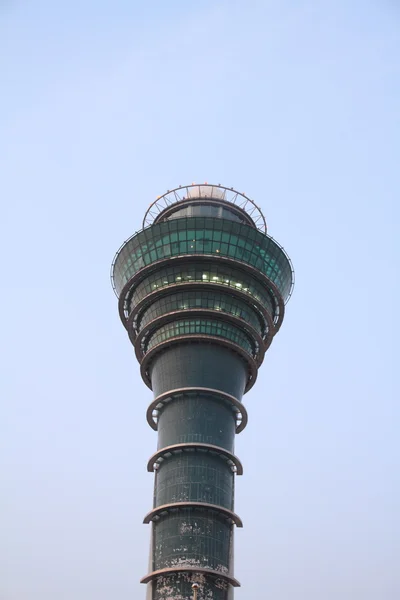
(202, 291)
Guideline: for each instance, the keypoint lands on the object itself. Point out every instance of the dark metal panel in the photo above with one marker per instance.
(200, 340)
(194, 417)
(198, 365)
(195, 477)
(191, 536)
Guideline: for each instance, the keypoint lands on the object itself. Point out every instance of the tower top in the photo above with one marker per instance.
(173, 201)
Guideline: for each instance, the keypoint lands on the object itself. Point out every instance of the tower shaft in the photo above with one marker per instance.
(201, 294)
(193, 516)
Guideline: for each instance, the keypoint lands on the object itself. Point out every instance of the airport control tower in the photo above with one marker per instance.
(202, 290)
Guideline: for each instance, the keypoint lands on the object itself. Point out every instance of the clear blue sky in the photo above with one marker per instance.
(105, 105)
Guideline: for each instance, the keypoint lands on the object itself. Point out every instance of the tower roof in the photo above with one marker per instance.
(181, 196)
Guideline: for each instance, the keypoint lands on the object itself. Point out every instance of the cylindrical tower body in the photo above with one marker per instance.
(202, 290)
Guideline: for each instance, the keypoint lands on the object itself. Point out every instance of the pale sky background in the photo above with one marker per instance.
(103, 106)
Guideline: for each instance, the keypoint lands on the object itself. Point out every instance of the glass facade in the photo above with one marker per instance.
(221, 275)
(192, 537)
(209, 300)
(200, 235)
(201, 327)
(181, 585)
(195, 476)
(198, 365)
(216, 212)
(192, 417)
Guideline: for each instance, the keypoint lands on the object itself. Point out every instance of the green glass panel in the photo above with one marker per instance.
(217, 274)
(205, 326)
(260, 251)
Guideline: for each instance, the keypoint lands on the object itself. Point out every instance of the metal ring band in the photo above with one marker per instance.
(166, 508)
(182, 569)
(234, 402)
(160, 455)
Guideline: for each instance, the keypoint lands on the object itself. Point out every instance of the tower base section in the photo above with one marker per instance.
(176, 584)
